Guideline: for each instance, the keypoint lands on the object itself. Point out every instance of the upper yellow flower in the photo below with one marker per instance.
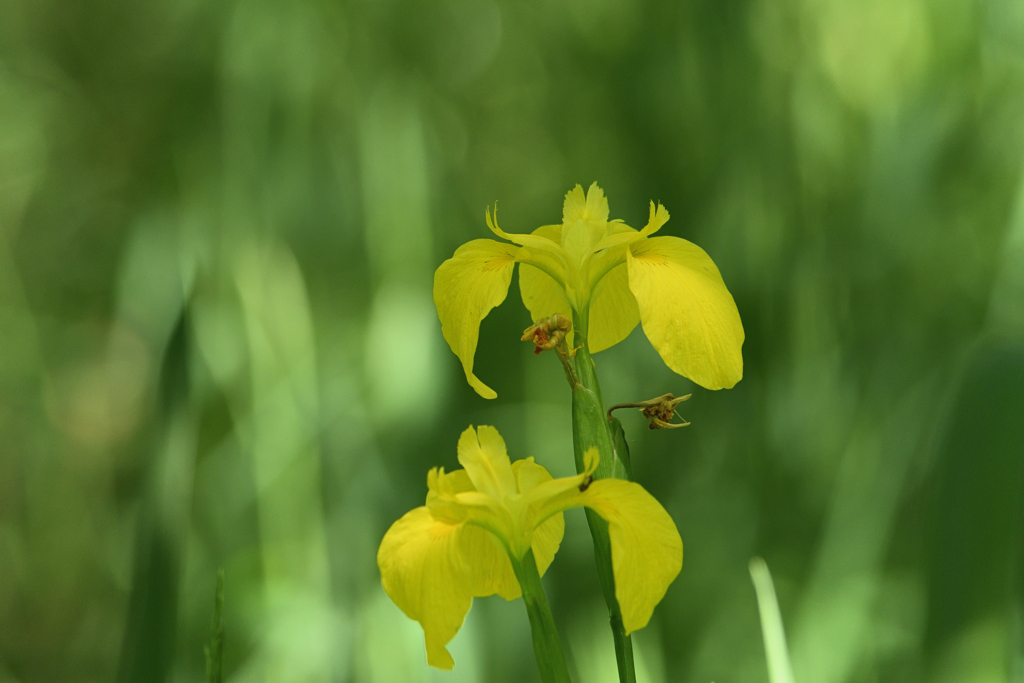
(437, 558)
(611, 276)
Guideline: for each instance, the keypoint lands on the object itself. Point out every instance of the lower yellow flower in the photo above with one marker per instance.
(437, 558)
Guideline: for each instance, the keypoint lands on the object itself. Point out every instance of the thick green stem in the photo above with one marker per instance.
(547, 646)
(590, 430)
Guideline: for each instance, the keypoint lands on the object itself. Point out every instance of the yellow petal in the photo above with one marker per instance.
(555, 495)
(657, 218)
(536, 249)
(575, 204)
(541, 295)
(584, 223)
(613, 311)
(442, 490)
(621, 234)
(686, 310)
(548, 536)
(647, 552)
(492, 571)
(423, 569)
(618, 234)
(593, 206)
(608, 256)
(466, 288)
(532, 241)
(485, 458)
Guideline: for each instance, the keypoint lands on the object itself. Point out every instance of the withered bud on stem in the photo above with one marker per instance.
(548, 333)
(658, 410)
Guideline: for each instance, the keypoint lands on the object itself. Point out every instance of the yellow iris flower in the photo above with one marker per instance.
(438, 557)
(611, 276)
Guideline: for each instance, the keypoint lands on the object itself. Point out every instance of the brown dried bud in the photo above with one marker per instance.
(548, 333)
(658, 410)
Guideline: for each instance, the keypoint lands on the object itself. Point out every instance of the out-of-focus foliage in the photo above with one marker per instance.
(218, 228)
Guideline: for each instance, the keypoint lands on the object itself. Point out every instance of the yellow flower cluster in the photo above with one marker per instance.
(493, 524)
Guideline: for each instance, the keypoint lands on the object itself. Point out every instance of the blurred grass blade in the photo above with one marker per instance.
(215, 648)
(779, 668)
(147, 653)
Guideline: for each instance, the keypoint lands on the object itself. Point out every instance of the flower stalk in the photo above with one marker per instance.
(590, 429)
(547, 646)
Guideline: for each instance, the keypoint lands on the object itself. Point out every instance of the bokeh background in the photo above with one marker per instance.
(218, 227)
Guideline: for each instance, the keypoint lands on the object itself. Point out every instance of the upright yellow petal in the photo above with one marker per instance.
(686, 310)
(613, 311)
(584, 223)
(592, 206)
(423, 569)
(482, 452)
(575, 204)
(466, 288)
(597, 203)
(647, 552)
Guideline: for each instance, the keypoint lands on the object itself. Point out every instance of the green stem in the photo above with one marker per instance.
(547, 646)
(590, 430)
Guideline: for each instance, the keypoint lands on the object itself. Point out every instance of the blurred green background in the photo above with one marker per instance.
(218, 227)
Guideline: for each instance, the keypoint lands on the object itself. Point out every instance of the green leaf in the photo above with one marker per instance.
(215, 648)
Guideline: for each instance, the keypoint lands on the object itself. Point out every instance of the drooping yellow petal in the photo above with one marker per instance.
(423, 569)
(482, 452)
(547, 537)
(466, 288)
(686, 310)
(647, 552)
(613, 311)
